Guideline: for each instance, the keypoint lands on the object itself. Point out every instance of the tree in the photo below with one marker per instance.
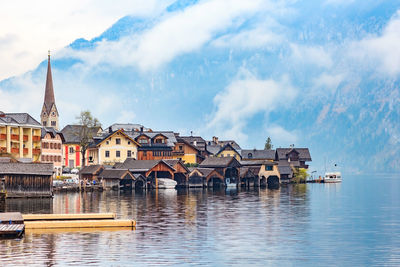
(300, 175)
(86, 131)
(268, 144)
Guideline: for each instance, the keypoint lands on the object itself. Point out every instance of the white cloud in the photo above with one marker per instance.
(281, 135)
(176, 34)
(262, 35)
(244, 98)
(383, 50)
(29, 28)
(316, 55)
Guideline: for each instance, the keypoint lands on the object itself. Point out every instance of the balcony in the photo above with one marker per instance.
(35, 138)
(179, 152)
(3, 150)
(15, 150)
(3, 137)
(15, 137)
(25, 137)
(25, 151)
(36, 151)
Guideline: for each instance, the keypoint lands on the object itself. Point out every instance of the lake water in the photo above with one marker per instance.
(353, 223)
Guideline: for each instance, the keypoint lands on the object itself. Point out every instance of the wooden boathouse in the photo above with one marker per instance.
(227, 167)
(27, 179)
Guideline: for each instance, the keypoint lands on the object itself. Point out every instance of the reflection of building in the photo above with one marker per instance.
(20, 136)
(49, 114)
(52, 148)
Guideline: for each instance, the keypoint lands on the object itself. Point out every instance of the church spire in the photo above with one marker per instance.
(49, 115)
(49, 93)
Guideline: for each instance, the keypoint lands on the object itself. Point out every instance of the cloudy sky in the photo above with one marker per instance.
(322, 74)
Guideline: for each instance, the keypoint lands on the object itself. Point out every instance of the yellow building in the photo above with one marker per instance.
(228, 151)
(186, 152)
(113, 148)
(20, 136)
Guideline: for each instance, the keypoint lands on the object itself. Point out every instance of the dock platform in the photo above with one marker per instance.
(11, 224)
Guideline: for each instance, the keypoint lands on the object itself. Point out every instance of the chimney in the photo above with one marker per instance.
(110, 129)
(141, 129)
(215, 140)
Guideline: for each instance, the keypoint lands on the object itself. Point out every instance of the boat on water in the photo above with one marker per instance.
(230, 183)
(333, 177)
(166, 183)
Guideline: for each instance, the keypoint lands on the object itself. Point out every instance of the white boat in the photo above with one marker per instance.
(333, 177)
(229, 183)
(166, 183)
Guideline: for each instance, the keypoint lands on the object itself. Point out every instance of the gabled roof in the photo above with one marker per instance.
(19, 118)
(91, 169)
(213, 149)
(26, 168)
(215, 162)
(141, 165)
(127, 127)
(249, 171)
(268, 154)
(257, 162)
(304, 153)
(71, 133)
(181, 140)
(196, 141)
(228, 145)
(173, 162)
(53, 133)
(114, 133)
(115, 174)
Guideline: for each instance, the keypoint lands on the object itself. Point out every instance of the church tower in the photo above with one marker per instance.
(49, 115)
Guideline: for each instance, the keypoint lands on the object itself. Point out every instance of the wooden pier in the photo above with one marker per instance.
(11, 224)
(14, 223)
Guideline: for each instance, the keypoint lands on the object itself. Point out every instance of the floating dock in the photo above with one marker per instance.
(14, 223)
(11, 224)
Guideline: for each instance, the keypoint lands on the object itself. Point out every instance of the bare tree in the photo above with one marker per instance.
(88, 128)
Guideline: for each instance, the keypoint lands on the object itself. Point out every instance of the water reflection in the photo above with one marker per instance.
(212, 227)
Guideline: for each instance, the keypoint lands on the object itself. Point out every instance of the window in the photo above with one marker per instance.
(159, 141)
(53, 123)
(118, 141)
(71, 150)
(118, 153)
(180, 148)
(107, 154)
(129, 155)
(107, 142)
(268, 168)
(250, 156)
(143, 141)
(129, 142)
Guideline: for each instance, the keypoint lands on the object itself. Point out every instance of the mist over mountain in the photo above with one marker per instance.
(318, 75)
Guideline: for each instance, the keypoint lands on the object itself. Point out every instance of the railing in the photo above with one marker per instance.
(15, 150)
(35, 138)
(25, 151)
(179, 152)
(36, 151)
(3, 150)
(3, 136)
(25, 137)
(15, 137)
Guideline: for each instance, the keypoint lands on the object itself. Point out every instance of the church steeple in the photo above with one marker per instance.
(49, 115)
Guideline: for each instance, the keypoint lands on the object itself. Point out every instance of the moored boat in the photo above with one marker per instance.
(333, 177)
(166, 183)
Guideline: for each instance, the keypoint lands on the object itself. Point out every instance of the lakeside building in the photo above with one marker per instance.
(185, 151)
(227, 167)
(199, 143)
(27, 179)
(20, 136)
(290, 159)
(49, 116)
(52, 151)
(228, 151)
(215, 145)
(113, 147)
(72, 156)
